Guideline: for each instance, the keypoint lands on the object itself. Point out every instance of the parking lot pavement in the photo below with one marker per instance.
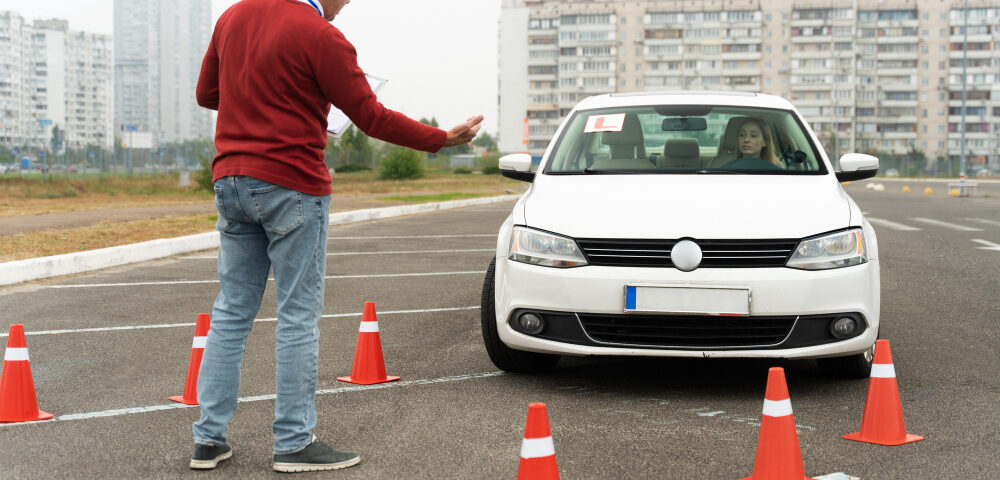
(126, 335)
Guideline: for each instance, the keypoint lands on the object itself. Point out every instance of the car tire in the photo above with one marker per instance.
(504, 357)
(852, 366)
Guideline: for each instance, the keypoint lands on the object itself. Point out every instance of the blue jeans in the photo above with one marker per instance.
(263, 226)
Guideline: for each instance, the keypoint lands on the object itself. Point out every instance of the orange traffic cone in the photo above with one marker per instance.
(190, 396)
(369, 366)
(538, 453)
(778, 454)
(882, 422)
(17, 389)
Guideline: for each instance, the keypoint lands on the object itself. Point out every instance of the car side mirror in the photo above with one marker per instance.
(517, 166)
(857, 166)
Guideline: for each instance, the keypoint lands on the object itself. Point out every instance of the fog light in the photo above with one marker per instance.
(843, 327)
(531, 323)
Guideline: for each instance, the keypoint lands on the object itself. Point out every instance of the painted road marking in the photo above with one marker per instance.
(415, 236)
(258, 398)
(989, 245)
(890, 224)
(392, 252)
(259, 320)
(953, 226)
(836, 476)
(988, 222)
(328, 277)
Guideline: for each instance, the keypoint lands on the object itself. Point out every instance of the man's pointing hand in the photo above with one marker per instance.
(464, 133)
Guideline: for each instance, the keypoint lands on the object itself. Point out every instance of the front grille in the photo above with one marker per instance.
(686, 331)
(618, 252)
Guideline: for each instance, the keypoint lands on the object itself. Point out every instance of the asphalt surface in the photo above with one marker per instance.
(453, 415)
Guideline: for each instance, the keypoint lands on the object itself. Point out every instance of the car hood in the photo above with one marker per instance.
(714, 206)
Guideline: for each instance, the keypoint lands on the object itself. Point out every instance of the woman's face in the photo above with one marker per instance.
(751, 140)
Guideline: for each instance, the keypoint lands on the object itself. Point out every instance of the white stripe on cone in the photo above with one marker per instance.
(883, 370)
(537, 448)
(778, 408)
(15, 354)
(199, 342)
(368, 327)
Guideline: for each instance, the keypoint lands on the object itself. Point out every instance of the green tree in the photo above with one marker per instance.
(485, 140)
(402, 164)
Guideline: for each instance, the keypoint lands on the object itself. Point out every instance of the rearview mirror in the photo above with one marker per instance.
(684, 124)
(857, 166)
(517, 166)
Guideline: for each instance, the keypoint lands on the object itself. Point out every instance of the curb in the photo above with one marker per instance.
(78, 262)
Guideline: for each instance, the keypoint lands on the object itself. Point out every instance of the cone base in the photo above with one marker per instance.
(348, 379)
(751, 478)
(858, 438)
(41, 416)
(180, 399)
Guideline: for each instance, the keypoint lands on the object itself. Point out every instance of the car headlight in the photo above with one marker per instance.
(835, 250)
(546, 249)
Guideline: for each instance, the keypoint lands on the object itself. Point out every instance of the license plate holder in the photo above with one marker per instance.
(688, 299)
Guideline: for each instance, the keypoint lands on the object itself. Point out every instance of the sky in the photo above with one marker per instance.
(440, 56)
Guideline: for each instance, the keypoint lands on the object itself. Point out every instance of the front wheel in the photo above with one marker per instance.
(504, 357)
(852, 366)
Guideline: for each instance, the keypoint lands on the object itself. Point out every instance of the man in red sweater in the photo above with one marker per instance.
(272, 69)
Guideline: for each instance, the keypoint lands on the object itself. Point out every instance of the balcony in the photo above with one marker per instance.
(811, 87)
(812, 39)
(740, 56)
(957, 54)
(897, 39)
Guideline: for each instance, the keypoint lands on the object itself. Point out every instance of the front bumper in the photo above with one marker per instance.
(792, 307)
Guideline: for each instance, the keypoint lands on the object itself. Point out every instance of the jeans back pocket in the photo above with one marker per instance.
(279, 208)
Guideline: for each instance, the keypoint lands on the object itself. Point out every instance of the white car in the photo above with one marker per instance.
(706, 224)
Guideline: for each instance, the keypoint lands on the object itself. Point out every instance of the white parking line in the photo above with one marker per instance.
(259, 320)
(891, 224)
(193, 282)
(390, 252)
(953, 226)
(988, 222)
(258, 398)
(989, 245)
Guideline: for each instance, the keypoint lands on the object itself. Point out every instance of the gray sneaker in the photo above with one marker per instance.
(316, 457)
(207, 456)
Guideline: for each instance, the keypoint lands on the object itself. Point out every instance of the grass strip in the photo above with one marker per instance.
(105, 234)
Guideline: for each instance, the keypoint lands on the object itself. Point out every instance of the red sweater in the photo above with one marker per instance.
(272, 69)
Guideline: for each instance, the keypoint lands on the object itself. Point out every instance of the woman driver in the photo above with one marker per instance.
(756, 141)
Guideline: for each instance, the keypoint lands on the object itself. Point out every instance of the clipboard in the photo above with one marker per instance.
(336, 122)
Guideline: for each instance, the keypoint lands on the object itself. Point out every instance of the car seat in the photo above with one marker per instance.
(680, 153)
(629, 142)
(729, 144)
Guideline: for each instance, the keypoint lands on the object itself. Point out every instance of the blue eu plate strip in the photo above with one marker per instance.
(629, 298)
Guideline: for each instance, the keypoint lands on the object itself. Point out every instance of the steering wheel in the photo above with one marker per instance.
(751, 164)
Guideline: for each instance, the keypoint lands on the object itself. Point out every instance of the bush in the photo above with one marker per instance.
(462, 170)
(353, 167)
(491, 170)
(203, 177)
(402, 164)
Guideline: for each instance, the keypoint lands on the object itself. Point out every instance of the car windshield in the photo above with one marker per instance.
(684, 139)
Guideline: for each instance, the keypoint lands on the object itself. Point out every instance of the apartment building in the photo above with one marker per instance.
(53, 76)
(883, 76)
(159, 45)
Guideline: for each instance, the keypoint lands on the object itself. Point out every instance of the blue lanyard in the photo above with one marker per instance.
(312, 3)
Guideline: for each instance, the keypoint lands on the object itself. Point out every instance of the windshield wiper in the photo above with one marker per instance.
(727, 172)
(589, 170)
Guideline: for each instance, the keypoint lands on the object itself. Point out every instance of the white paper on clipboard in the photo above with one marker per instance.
(336, 122)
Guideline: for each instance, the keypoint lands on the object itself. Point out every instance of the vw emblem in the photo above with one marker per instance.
(686, 255)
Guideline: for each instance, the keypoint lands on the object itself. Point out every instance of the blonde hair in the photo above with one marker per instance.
(768, 151)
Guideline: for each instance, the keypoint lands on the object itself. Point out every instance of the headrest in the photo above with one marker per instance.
(681, 148)
(631, 133)
(731, 137)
